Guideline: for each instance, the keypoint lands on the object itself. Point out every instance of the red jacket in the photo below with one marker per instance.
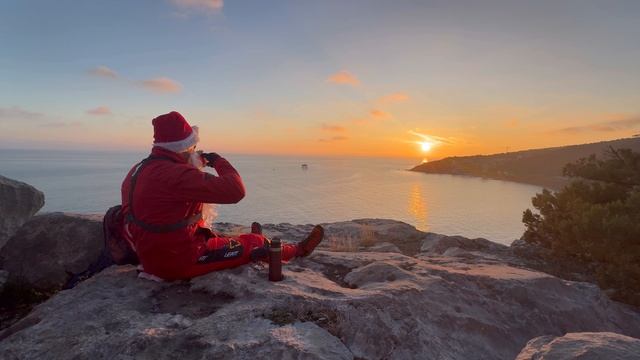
(167, 192)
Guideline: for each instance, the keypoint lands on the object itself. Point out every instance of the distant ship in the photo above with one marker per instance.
(305, 166)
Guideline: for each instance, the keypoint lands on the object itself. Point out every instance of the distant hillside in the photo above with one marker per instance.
(538, 167)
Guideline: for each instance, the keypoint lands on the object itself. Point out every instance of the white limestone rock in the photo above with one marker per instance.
(331, 305)
(583, 346)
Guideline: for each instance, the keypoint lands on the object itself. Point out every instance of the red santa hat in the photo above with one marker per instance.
(172, 132)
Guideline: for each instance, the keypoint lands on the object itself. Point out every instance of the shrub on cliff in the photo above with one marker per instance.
(595, 220)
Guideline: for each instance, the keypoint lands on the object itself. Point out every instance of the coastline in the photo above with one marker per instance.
(549, 182)
(541, 167)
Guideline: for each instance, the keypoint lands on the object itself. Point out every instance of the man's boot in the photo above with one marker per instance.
(306, 246)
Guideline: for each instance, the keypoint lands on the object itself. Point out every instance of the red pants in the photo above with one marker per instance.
(218, 253)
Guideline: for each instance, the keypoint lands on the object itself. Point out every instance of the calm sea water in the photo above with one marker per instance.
(279, 190)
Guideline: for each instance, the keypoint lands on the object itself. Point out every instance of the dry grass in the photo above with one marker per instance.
(367, 236)
(343, 243)
(350, 243)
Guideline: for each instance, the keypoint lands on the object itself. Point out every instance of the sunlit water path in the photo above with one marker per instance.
(280, 190)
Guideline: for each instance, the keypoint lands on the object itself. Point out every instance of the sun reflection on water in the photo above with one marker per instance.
(417, 207)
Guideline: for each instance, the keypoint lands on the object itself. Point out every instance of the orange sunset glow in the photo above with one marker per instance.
(333, 179)
(338, 94)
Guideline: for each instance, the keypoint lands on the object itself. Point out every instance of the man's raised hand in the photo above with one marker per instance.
(211, 158)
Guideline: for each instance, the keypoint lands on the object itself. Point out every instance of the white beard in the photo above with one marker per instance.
(195, 159)
(209, 214)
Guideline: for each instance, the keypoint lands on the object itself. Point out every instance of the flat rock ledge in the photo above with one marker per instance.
(332, 305)
(583, 346)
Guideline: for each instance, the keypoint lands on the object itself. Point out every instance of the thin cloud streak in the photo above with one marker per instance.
(103, 71)
(202, 4)
(18, 113)
(433, 138)
(334, 138)
(196, 7)
(380, 114)
(344, 78)
(608, 126)
(100, 110)
(162, 85)
(394, 98)
(374, 116)
(333, 128)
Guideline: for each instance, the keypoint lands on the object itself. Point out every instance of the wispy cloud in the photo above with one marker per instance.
(344, 78)
(214, 5)
(374, 116)
(394, 98)
(334, 139)
(100, 110)
(377, 114)
(162, 85)
(607, 126)
(433, 139)
(103, 71)
(18, 113)
(332, 128)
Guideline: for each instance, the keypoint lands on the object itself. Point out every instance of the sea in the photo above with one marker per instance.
(280, 189)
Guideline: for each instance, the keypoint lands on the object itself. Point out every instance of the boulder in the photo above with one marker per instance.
(4, 276)
(584, 346)
(331, 305)
(49, 248)
(18, 203)
(438, 244)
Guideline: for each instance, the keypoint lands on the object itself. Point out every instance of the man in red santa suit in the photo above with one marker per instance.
(162, 203)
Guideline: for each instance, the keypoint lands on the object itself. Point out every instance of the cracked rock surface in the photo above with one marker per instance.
(583, 346)
(425, 302)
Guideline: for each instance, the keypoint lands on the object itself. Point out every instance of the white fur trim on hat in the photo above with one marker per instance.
(182, 145)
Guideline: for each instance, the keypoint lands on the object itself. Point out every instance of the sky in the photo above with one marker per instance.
(328, 78)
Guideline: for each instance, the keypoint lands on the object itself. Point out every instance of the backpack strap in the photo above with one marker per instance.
(155, 228)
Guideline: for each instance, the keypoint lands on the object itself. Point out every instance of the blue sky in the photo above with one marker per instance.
(474, 76)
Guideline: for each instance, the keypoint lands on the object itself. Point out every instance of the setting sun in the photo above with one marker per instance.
(425, 146)
(445, 153)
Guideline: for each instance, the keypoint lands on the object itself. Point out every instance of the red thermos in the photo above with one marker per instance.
(275, 260)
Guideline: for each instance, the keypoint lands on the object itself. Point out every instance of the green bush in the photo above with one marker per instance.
(595, 220)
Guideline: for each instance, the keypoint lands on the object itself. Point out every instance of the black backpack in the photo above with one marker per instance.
(116, 247)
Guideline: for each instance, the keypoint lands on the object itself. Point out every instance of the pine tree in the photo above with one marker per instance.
(595, 220)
